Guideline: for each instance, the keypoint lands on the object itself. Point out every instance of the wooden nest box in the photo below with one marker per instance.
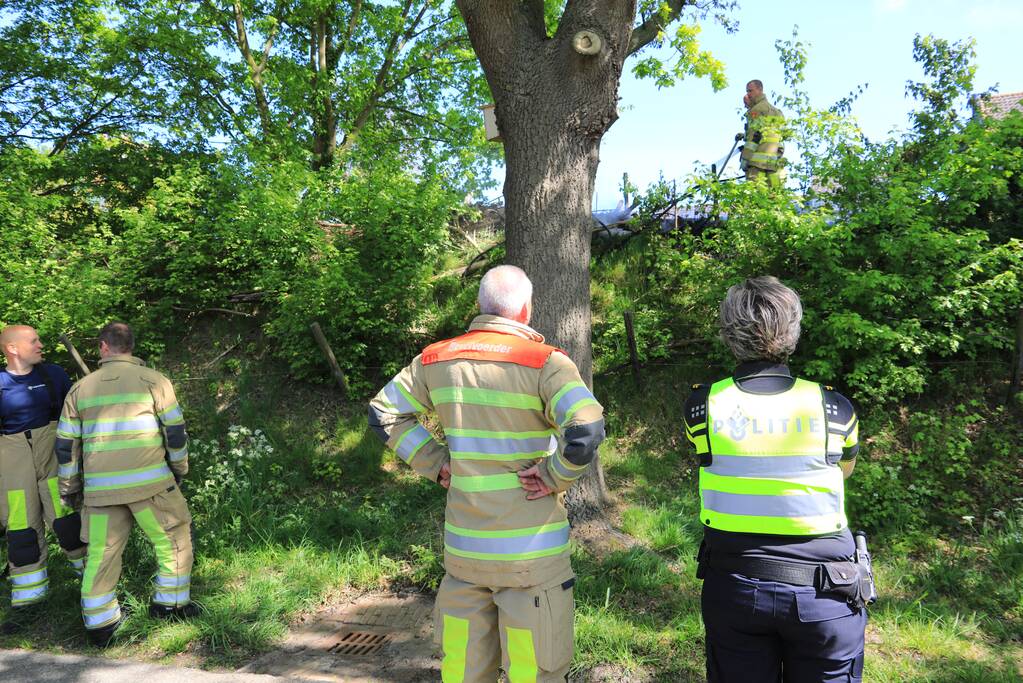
(490, 123)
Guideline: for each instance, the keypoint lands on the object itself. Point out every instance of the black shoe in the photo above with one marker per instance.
(18, 618)
(101, 637)
(167, 612)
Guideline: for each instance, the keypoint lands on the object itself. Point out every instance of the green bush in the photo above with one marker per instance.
(908, 258)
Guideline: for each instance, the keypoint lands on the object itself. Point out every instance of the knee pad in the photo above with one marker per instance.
(69, 531)
(23, 547)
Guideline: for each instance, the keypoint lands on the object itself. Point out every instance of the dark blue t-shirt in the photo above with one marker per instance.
(25, 401)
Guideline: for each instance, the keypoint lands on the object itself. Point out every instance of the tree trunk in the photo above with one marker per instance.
(553, 105)
(548, 185)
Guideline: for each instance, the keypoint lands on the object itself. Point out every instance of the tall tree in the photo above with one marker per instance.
(554, 69)
(326, 79)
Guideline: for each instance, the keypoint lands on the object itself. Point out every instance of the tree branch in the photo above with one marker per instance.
(646, 32)
(255, 70)
(398, 41)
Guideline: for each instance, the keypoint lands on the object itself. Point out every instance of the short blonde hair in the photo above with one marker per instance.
(759, 320)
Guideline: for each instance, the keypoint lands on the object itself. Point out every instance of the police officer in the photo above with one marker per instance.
(774, 451)
(519, 425)
(762, 150)
(122, 443)
(31, 393)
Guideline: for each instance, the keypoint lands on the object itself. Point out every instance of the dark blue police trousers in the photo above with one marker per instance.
(770, 632)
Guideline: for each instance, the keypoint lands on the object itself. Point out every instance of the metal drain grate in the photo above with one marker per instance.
(359, 644)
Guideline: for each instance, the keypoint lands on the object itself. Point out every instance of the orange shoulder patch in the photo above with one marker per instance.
(489, 346)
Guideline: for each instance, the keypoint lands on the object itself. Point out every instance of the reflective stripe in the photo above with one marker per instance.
(565, 469)
(508, 545)
(162, 545)
(172, 415)
(69, 430)
(455, 643)
(171, 581)
(401, 399)
(24, 596)
(411, 441)
(175, 599)
(68, 471)
(122, 444)
(485, 482)
(178, 455)
(94, 621)
(814, 481)
(119, 480)
(113, 399)
(499, 448)
(521, 656)
(17, 511)
(485, 397)
(782, 526)
(97, 601)
(569, 399)
(146, 423)
(59, 508)
(772, 506)
(31, 578)
(97, 544)
(77, 562)
(778, 465)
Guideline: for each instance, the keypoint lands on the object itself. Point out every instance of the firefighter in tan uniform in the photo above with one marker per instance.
(762, 156)
(121, 444)
(31, 393)
(520, 427)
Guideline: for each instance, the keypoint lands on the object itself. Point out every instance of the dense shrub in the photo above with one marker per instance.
(908, 257)
(352, 250)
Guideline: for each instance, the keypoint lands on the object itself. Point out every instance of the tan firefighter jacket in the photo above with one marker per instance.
(121, 437)
(505, 401)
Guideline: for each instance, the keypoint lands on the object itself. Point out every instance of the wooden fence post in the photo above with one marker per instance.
(1016, 380)
(75, 356)
(335, 369)
(630, 334)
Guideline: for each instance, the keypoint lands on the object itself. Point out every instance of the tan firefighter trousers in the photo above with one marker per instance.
(28, 497)
(525, 631)
(166, 522)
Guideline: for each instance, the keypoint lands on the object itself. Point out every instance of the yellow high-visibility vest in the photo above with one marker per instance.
(769, 470)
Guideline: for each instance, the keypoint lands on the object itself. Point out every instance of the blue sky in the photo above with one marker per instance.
(850, 43)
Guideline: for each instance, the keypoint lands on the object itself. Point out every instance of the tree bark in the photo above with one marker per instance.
(553, 105)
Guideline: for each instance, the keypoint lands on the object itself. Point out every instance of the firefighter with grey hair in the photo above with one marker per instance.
(520, 427)
(782, 596)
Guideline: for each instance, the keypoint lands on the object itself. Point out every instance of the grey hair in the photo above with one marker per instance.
(759, 320)
(504, 290)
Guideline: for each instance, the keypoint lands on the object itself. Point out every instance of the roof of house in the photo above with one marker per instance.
(997, 105)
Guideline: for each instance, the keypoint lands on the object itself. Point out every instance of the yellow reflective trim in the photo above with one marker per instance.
(456, 644)
(94, 557)
(59, 508)
(17, 510)
(521, 656)
(821, 482)
(785, 526)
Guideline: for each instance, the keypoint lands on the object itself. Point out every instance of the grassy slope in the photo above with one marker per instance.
(317, 510)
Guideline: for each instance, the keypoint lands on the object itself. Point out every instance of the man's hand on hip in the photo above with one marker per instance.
(535, 487)
(444, 477)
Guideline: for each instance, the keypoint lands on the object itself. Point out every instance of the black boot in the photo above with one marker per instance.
(19, 618)
(101, 637)
(167, 612)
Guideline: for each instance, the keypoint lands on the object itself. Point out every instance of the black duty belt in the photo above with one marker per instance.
(766, 569)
